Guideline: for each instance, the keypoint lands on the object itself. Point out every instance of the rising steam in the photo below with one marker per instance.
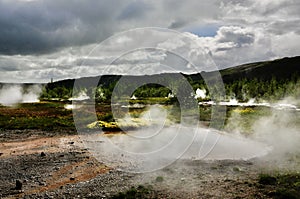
(14, 94)
(200, 93)
(80, 96)
(156, 146)
(279, 130)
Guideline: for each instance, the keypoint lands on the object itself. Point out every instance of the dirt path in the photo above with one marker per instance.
(34, 145)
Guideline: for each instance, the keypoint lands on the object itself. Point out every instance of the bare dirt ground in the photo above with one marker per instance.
(61, 167)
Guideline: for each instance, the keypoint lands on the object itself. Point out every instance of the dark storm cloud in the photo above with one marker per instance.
(43, 26)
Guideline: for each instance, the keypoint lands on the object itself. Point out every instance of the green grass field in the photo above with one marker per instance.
(53, 116)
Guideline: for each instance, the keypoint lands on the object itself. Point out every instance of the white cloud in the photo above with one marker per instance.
(247, 31)
(235, 45)
(286, 45)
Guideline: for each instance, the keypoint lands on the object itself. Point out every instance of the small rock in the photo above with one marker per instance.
(19, 185)
(72, 178)
(43, 154)
(42, 184)
(71, 143)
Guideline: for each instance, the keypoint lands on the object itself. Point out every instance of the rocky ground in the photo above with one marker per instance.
(42, 165)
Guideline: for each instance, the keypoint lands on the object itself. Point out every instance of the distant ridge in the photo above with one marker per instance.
(279, 69)
(283, 68)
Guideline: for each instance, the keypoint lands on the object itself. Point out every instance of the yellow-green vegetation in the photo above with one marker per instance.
(133, 123)
(125, 124)
(138, 118)
(244, 111)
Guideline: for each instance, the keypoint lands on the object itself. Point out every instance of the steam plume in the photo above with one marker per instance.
(14, 94)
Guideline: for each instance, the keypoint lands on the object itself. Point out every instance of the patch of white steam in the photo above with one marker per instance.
(13, 94)
(152, 148)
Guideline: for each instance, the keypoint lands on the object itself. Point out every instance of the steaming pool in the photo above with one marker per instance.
(151, 149)
(156, 146)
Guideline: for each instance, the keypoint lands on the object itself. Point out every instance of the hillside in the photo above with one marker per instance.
(280, 69)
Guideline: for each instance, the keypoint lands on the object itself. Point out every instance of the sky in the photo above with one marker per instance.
(60, 39)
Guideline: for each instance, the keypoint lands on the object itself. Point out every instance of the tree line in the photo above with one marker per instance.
(240, 89)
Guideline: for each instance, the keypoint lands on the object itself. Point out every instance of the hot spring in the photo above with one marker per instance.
(156, 146)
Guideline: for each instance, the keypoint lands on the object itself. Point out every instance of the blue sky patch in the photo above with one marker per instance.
(209, 30)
